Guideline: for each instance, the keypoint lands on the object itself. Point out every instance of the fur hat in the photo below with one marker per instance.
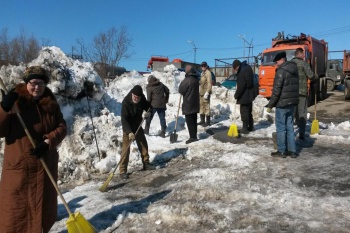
(137, 90)
(35, 72)
(279, 56)
(235, 64)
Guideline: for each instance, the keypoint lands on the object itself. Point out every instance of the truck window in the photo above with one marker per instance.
(267, 59)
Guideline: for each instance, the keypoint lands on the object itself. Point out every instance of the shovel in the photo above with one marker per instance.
(233, 131)
(76, 222)
(315, 129)
(173, 136)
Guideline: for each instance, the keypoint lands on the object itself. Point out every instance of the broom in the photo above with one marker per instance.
(104, 186)
(76, 223)
(315, 129)
(233, 131)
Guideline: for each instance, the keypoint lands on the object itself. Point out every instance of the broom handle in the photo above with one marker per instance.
(178, 111)
(33, 143)
(124, 152)
(316, 86)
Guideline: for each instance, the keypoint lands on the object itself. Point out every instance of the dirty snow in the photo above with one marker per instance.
(212, 185)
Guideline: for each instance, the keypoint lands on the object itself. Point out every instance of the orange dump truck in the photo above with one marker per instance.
(316, 54)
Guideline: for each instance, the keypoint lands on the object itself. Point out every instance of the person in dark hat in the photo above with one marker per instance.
(204, 93)
(188, 88)
(285, 97)
(245, 93)
(158, 95)
(28, 200)
(279, 56)
(135, 108)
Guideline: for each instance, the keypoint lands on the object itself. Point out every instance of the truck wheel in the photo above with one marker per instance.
(347, 89)
(330, 85)
(324, 92)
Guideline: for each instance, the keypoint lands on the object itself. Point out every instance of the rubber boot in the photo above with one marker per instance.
(244, 129)
(202, 122)
(162, 133)
(207, 123)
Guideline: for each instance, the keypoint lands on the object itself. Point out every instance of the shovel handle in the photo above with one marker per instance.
(33, 143)
(178, 111)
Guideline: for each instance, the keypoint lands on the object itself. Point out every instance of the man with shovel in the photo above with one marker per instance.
(135, 108)
(190, 106)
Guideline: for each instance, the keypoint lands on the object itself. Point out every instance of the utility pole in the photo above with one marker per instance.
(194, 49)
(242, 37)
(250, 46)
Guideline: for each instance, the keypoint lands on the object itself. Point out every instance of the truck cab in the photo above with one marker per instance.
(334, 73)
(316, 52)
(267, 70)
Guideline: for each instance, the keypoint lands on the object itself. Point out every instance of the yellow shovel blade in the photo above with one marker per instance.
(76, 223)
(315, 129)
(233, 131)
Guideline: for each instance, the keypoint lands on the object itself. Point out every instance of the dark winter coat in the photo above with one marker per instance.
(245, 93)
(132, 113)
(157, 93)
(305, 73)
(189, 89)
(28, 200)
(285, 86)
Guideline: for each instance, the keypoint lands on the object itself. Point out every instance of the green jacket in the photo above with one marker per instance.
(305, 73)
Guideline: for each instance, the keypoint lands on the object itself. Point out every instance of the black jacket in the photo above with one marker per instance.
(189, 88)
(132, 113)
(157, 93)
(285, 86)
(245, 86)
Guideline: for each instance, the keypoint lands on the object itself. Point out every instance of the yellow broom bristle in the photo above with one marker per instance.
(76, 223)
(233, 131)
(104, 186)
(315, 129)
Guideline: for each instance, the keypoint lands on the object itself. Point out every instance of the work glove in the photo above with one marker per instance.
(146, 114)
(40, 150)
(206, 95)
(131, 136)
(8, 100)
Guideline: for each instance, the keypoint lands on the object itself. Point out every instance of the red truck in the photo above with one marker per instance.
(316, 54)
(346, 70)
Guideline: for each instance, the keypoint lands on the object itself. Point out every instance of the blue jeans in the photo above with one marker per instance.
(161, 115)
(284, 129)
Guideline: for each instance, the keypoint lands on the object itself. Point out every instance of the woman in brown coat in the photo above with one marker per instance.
(28, 200)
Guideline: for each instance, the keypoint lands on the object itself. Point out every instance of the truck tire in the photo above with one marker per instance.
(347, 89)
(330, 85)
(322, 93)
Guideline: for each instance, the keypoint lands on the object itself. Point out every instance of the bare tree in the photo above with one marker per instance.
(107, 49)
(20, 49)
(4, 47)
